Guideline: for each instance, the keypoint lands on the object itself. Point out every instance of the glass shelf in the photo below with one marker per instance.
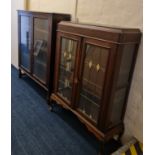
(88, 94)
(90, 82)
(41, 30)
(89, 108)
(42, 63)
(64, 92)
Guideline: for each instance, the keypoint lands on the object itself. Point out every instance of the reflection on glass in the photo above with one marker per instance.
(40, 48)
(126, 63)
(25, 42)
(92, 80)
(118, 105)
(66, 68)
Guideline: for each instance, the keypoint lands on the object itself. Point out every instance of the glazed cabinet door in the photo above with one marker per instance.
(66, 60)
(25, 22)
(92, 75)
(41, 43)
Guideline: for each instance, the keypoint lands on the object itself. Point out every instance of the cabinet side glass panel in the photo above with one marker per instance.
(94, 68)
(118, 105)
(40, 48)
(25, 44)
(126, 63)
(122, 84)
(66, 68)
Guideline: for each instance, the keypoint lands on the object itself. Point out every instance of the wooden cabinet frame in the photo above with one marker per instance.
(122, 46)
(53, 19)
(57, 62)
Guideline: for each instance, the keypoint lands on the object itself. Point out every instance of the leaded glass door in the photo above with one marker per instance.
(92, 78)
(67, 67)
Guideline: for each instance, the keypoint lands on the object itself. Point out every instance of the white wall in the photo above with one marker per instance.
(64, 6)
(124, 13)
(15, 5)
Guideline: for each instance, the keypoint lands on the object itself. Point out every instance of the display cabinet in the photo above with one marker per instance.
(37, 37)
(93, 72)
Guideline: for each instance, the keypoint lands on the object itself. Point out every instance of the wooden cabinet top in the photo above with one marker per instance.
(111, 34)
(38, 12)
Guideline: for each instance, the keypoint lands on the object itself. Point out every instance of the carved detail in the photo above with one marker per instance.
(90, 64)
(97, 67)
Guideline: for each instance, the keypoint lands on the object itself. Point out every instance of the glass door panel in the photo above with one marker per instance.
(66, 68)
(94, 68)
(40, 48)
(25, 45)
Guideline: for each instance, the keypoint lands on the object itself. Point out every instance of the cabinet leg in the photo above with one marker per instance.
(51, 106)
(48, 98)
(101, 148)
(50, 102)
(119, 137)
(19, 73)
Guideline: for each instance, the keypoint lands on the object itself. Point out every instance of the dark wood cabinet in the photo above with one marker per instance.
(93, 72)
(37, 39)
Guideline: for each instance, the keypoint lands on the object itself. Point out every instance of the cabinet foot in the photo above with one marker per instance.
(50, 108)
(19, 73)
(48, 98)
(119, 137)
(101, 148)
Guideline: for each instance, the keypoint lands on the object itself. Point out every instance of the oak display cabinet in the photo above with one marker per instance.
(93, 72)
(36, 45)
